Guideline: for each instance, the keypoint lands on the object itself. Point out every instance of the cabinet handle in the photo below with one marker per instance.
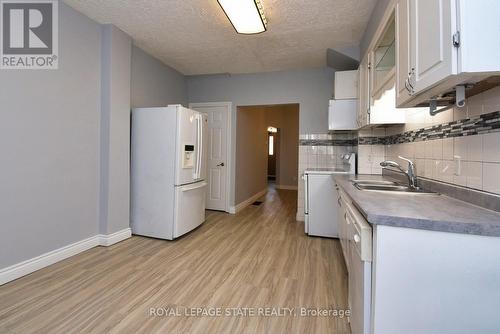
(410, 80)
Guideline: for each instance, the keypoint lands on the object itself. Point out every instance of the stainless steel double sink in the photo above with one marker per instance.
(388, 186)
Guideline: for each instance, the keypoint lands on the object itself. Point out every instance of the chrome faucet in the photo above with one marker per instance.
(411, 173)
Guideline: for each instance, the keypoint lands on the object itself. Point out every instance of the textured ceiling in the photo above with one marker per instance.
(195, 37)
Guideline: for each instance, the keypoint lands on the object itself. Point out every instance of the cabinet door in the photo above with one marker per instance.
(346, 85)
(364, 92)
(402, 51)
(433, 23)
(342, 115)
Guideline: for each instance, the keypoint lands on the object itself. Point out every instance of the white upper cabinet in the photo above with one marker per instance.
(377, 83)
(403, 68)
(343, 110)
(346, 85)
(444, 43)
(383, 58)
(342, 114)
(434, 57)
(479, 28)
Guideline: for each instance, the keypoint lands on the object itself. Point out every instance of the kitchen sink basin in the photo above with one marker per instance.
(390, 187)
(376, 182)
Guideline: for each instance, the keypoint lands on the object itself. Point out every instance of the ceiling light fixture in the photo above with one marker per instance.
(246, 16)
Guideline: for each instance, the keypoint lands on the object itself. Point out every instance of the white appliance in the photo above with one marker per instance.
(320, 207)
(168, 171)
(356, 242)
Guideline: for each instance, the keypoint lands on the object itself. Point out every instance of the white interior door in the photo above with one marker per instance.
(218, 129)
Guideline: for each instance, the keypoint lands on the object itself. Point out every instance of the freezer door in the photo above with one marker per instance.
(187, 146)
(189, 207)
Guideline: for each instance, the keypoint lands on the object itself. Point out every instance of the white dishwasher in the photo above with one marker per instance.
(357, 234)
(321, 206)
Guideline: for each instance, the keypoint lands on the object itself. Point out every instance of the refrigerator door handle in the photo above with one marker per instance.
(193, 187)
(196, 174)
(200, 147)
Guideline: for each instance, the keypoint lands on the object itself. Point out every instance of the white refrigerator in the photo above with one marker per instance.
(168, 171)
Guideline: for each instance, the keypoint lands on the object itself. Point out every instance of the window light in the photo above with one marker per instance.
(271, 145)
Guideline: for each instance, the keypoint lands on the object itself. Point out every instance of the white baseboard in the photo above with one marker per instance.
(247, 202)
(111, 239)
(285, 187)
(27, 267)
(300, 217)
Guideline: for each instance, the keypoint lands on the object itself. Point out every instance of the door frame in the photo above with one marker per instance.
(229, 157)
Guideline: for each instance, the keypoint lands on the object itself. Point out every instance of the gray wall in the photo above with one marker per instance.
(64, 138)
(251, 153)
(155, 84)
(49, 139)
(115, 130)
(310, 88)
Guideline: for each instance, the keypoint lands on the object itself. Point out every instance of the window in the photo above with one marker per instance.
(271, 145)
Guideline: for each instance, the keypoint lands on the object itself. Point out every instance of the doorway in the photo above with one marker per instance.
(267, 146)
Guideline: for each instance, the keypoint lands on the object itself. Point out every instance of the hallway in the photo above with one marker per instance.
(257, 258)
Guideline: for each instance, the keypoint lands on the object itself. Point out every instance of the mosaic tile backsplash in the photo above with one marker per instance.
(487, 123)
(460, 146)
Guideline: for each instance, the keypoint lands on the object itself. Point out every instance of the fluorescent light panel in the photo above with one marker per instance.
(246, 16)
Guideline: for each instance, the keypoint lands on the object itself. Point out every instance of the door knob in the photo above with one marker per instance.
(221, 165)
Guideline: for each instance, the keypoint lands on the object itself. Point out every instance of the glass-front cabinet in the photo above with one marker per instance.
(383, 58)
(377, 70)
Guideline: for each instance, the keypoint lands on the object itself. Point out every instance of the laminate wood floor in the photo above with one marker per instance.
(259, 258)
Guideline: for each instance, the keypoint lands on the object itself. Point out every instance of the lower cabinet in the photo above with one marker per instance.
(355, 239)
(414, 281)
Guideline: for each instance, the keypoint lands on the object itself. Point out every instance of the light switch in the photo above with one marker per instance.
(458, 165)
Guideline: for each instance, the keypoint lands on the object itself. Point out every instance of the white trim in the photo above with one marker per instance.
(229, 106)
(27, 267)
(111, 239)
(300, 217)
(285, 187)
(247, 202)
